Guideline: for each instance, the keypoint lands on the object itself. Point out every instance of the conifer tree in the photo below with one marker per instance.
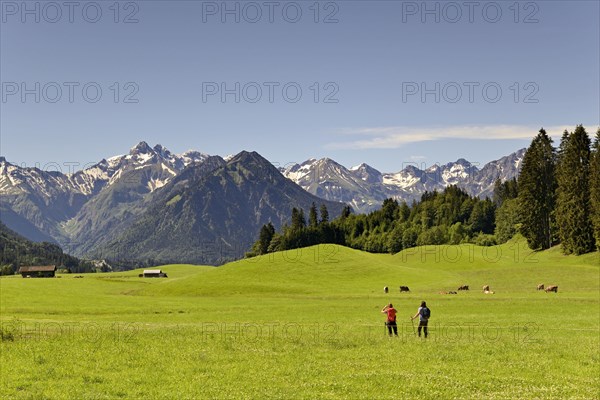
(302, 219)
(595, 187)
(562, 215)
(404, 212)
(499, 193)
(504, 191)
(298, 220)
(325, 213)
(573, 206)
(507, 218)
(264, 238)
(313, 219)
(346, 211)
(536, 197)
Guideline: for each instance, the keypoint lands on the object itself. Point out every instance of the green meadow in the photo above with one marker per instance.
(306, 324)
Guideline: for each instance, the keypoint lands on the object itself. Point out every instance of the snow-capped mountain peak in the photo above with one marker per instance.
(161, 165)
(365, 188)
(367, 173)
(162, 151)
(141, 148)
(192, 157)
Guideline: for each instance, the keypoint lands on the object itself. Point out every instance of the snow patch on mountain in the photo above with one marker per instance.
(401, 179)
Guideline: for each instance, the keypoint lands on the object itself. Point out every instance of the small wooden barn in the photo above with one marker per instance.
(38, 271)
(154, 273)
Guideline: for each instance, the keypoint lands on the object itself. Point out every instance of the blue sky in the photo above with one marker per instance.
(395, 85)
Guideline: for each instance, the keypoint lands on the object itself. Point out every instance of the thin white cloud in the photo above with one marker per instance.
(398, 136)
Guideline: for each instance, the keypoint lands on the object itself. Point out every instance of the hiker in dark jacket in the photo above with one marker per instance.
(423, 313)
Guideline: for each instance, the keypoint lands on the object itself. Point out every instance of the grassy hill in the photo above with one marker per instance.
(307, 324)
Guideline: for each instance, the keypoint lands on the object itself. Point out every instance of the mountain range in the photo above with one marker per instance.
(365, 188)
(151, 204)
(42, 204)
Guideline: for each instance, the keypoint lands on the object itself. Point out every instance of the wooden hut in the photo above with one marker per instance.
(154, 273)
(38, 271)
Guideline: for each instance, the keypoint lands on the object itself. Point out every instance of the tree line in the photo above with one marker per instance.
(451, 216)
(556, 199)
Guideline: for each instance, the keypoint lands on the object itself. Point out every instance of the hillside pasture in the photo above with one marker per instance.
(307, 324)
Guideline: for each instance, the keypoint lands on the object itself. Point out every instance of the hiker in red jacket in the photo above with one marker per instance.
(391, 318)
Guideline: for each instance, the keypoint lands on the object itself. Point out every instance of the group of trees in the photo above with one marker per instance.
(16, 251)
(595, 187)
(451, 216)
(559, 192)
(556, 199)
(448, 217)
(299, 233)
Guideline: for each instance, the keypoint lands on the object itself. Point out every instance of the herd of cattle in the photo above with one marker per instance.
(486, 289)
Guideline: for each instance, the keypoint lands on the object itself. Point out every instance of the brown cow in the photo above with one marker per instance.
(540, 286)
(552, 288)
(486, 288)
(464, 287)
(404, 289)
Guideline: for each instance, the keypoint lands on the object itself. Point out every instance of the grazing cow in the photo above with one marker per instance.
(552, 288)
(404, 289)
(447, 292)
(486, 288)
(464, 287)
(452, 293)
(540, 286)
(386, 289)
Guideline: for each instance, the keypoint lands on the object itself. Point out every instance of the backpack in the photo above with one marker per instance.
(426, 312)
